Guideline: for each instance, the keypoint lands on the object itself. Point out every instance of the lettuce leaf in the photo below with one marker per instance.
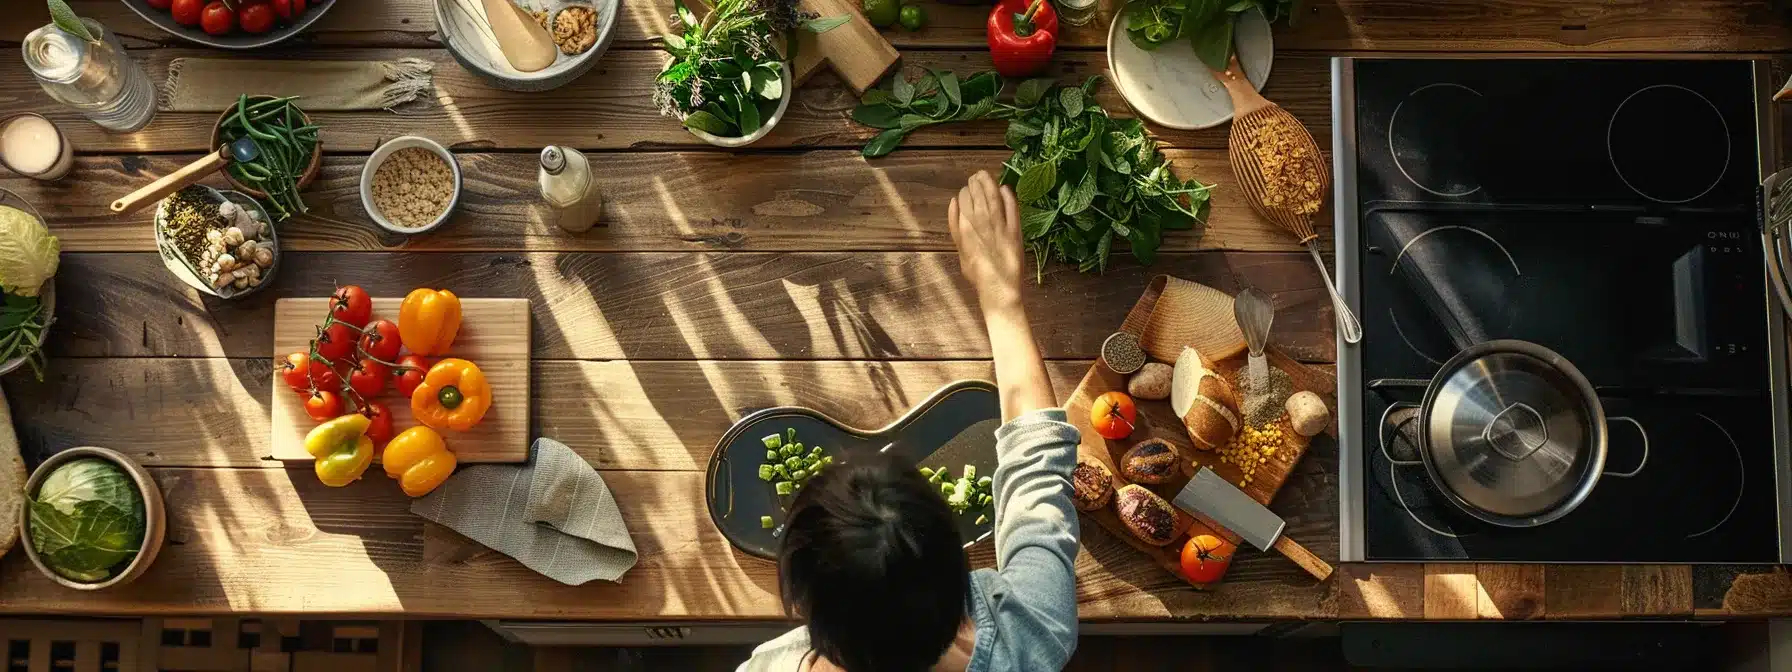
(28, 253)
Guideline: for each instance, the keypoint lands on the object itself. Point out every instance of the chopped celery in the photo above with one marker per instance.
(799, 475)
(772, 442)
(765, 522)
(984, 482)
(981, 519)
(926, 473)
(766, 473)
(784, 487)
(790, 435)
(789, 450)
(970, 471)
(771, 456)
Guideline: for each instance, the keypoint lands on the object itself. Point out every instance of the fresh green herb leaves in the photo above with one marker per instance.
(1206, 24)
(726, 77)
(1082, 178)
(936, 98)
(66, 20)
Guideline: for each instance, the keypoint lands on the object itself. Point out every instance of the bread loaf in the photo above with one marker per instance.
(1091, 485)
(1204, 400)
(12, 480)
(1146, 515)
(1152, 461)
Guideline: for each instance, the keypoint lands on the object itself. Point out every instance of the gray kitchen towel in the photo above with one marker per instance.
(554, 514)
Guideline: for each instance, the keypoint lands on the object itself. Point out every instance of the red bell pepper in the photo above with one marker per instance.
(1022, 35)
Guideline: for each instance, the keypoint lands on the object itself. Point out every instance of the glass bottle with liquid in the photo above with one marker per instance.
(97, 78)
(568, 186)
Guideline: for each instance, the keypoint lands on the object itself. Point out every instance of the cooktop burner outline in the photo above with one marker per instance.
(1393, 125)
(1394, 466)
(1394, 268)
(1741, 478)
(1611, 126)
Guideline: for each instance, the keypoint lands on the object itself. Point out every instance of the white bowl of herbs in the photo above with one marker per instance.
(725, 77)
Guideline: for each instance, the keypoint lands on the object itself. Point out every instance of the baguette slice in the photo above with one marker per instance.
(1146, 515)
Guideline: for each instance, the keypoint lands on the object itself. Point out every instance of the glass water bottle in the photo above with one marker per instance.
(97, 78)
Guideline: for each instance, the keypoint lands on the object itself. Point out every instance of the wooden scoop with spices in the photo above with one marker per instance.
(1282, 173)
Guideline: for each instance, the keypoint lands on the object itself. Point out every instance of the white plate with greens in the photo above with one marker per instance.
(1171, 86)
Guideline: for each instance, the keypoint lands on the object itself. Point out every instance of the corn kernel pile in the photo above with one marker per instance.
(1251, 447)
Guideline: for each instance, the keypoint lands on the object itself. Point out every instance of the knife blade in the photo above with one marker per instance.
(1209, 496)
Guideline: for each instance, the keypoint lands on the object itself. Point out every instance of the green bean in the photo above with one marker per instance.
(271, 102)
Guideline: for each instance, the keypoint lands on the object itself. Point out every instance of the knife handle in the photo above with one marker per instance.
(1320, 569)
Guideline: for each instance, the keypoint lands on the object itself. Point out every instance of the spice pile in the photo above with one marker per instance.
(412, 187)
(226, 244)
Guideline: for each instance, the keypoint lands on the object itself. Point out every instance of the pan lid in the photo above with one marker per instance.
(1515, 432)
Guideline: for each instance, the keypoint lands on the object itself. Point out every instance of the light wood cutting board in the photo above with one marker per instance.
(855, 50)
(1156, 420)
(494, 334)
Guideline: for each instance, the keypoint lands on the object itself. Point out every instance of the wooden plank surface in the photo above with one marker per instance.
(468, 115)
(654, 202)
(822, 305)
(494, 335)
(1326, 25)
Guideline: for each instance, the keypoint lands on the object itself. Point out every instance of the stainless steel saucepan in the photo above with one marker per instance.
(1511, 433)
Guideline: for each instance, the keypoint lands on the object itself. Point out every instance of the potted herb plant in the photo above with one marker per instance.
(726, 76)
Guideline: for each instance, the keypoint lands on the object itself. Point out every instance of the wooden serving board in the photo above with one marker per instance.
(855, 50)
(494, 334)
(1156, 420)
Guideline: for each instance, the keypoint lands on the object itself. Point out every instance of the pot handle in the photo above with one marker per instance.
(1645, 460)
(1382, 431)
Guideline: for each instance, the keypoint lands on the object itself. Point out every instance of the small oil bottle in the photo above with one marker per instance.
(567, 185)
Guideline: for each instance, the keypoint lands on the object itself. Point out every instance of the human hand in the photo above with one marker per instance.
(985, 222)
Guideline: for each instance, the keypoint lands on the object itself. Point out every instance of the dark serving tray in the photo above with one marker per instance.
(953, 427)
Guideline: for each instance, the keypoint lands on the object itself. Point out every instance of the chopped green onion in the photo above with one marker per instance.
(784, 487)
(793, 463)
(771, 456)
(799, 475)
(926, 473)
(980, 520)
(789, 450)
(790, 435)
(816, 451)
(765, 473)
(827, 459)
(970, 471)
(985, 482)
(772, 442)
(765, 523)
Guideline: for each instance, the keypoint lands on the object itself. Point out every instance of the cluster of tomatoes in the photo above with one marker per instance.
(222, 17)
(353, 359)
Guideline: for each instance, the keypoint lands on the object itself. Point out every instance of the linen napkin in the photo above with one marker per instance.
(554, 514)
(212, 84)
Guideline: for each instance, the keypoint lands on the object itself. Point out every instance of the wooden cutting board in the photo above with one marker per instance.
(494, 334)
(855, 50)
(1156, 420)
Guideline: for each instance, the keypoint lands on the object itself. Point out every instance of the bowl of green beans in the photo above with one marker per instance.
(290, 158)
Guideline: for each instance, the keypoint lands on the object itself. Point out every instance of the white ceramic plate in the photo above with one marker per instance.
(458, 27)
(1173, 88)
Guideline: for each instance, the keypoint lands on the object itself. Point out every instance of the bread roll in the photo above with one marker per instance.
(1146, 515)
(1152, 461)
(1307, 413)
(1204, 400)
(1091, 485)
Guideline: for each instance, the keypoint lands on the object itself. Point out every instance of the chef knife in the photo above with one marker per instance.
(1209, 496)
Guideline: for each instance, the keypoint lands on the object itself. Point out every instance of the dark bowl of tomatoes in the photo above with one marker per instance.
(232, 24)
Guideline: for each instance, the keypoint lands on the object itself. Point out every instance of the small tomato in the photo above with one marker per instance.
(283, 9)
(336, 343)
(217, 19)
(1113, 415)
(410, 374)
(380, 430)
(256, 19)
(187, 12)
(323, 405)
(295, 371)
(381, 340)
(369, 377)
(1205, 558)
(351, 304)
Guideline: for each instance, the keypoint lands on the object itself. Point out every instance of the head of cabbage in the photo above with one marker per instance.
(87, 519)
(28, 253)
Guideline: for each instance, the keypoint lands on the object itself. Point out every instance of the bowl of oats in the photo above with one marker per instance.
(410, 185)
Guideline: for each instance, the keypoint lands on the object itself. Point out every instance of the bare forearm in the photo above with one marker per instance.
(1020, 373)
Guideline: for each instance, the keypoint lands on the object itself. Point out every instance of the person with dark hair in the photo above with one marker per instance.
(872, 560)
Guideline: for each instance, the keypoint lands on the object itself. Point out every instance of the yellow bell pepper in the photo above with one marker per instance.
(419, 459)
(453, 395)
(342, 449)
(428, 320)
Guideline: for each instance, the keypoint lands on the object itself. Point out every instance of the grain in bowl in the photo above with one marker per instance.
(413, 187)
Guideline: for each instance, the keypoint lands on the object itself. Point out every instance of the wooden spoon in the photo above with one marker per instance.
(1255, 119)
(244, 149)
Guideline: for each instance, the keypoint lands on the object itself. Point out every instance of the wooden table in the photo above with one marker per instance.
(795, 272)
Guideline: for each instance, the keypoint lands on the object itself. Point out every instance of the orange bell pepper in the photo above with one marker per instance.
(453, 395)
(428, 320)
(419, 459)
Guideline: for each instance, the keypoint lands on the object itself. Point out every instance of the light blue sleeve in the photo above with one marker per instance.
(1034, 603)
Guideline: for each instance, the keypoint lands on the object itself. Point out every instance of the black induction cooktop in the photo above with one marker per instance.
(1605, 209)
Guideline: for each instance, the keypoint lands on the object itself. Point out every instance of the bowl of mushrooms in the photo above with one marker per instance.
(218, 242)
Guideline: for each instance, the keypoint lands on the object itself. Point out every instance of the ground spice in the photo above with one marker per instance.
(1265, 390)
(1290, 169)
(191, 212)
(1122, 354)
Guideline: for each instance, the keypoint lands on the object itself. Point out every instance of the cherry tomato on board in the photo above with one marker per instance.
(412, 374)
(323, 405)
(161, 4)
(337, 343)
(217, 19)
(351, 304)
(369, 377)
(186, 12)
(381, 340)
(1113, 415)
(1205, 558)
(381, 428)
(295, 371)
(256, 18)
